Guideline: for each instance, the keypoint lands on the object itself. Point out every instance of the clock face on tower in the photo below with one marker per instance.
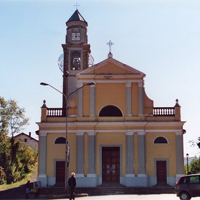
(76, 36)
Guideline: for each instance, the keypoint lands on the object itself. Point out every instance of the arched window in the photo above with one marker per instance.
(160, 140)
(110, 111)
(60, 140)
(75, 60)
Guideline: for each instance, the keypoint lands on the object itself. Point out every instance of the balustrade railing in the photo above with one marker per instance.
(55, 112)
(157, 111)
(164, 111)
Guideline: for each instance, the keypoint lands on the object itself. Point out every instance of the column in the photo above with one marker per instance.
(92, 100)
(42, 177)
(141, 98)
(80, 100)
(141, 154)
(80, 154)
(129, 153)
(91, 154)
(128, 99)
(179, 153)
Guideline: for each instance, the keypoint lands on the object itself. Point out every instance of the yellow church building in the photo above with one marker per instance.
(114, 132)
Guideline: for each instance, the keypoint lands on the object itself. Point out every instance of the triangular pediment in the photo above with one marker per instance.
(113, 67)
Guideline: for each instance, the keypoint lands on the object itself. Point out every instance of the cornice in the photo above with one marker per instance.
(113, 77)
(127, 132)
(110, 124)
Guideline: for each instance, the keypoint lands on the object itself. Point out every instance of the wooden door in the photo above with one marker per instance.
(161, 172)
(110, 164)
(60, 171)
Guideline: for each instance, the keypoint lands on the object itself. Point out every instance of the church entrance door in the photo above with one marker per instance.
(161, 172)
(60, 171)
(110, 164)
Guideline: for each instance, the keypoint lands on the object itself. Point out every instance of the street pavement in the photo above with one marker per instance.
(127, 197)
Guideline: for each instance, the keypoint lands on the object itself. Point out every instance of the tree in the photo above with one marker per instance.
(12, 117)
(12, 121)
(195, 165)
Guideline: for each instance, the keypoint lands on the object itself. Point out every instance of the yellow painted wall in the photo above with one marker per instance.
(111, 139)
(160, 151)
(153, 151)
(135, 99)
(148, 104)
(86, 101)
(52, 152)
(85, 153)
(73, 104)
(111, 68)
(135, 149)
(72, 146)
(111, 94)
(57, 152)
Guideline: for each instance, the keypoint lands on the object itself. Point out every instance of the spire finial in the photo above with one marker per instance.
(110, 44)
(44, 104)
(177, 103)
(76, 6)
(110, 55)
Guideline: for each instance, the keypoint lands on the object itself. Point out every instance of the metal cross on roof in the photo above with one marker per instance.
(110, 44)
(76, 6)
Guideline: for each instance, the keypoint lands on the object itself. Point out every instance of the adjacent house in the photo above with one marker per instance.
(27, 139)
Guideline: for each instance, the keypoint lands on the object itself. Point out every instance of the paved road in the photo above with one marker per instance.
(19, 194)
(129, 197)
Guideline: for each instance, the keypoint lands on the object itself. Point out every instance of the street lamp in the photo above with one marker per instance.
(67, 144)
(187, 155)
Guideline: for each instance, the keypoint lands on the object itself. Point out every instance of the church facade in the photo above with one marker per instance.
(114, 133)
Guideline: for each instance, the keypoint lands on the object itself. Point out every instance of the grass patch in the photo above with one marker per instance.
(17, 184)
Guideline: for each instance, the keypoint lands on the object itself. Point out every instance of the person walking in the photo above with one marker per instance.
(72, 185)
(28, 189)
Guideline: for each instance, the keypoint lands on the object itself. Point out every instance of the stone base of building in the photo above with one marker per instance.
(42, 180)
(92, 180)
(132, 181)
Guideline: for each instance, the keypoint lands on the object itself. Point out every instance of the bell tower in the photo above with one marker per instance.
(76, 52)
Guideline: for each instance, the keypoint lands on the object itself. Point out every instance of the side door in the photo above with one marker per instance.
(161, 172)
(60, 171)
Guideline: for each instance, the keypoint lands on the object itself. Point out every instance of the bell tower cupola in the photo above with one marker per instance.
(76, 29)
(76, 51)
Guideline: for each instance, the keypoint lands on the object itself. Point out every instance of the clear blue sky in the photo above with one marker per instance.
(158, 37)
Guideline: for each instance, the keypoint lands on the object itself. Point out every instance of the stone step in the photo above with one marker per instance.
(103, 190)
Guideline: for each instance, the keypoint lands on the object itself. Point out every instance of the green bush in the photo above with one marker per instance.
(18, 163)
(2, 176)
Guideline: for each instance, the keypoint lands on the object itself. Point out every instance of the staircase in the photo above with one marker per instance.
(107, 189)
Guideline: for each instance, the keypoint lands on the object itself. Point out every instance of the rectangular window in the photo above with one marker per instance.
(194, 179)
(183, 180)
